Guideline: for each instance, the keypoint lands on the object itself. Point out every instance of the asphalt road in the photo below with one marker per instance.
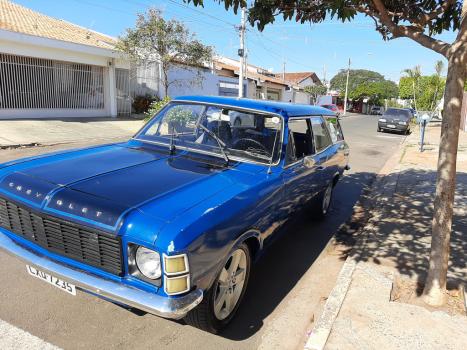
(287, 288)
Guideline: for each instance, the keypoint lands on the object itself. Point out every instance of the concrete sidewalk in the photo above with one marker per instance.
(48, 132)
(382, 307)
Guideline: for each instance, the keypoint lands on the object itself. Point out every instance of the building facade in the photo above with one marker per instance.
(50, 68)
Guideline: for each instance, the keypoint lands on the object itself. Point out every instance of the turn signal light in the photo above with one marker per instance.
(176, 264)
(177, 285)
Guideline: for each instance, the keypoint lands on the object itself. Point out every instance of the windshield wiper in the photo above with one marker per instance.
(221, 144)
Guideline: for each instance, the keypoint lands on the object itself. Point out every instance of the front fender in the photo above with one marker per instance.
(206, 277)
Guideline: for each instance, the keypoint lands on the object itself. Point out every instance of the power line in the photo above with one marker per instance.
(226, 24)
(201, 12)
(275, 53)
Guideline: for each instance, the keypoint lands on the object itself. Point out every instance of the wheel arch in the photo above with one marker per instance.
(335, 179)
(252, 238)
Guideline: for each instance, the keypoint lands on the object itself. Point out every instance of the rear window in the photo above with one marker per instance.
(399, 113)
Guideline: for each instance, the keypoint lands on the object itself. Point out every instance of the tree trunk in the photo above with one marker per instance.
(165, 77)
(435, 286)
(166, 83)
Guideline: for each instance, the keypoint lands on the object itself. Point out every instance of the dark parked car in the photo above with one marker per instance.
(395, 119)
(171, 221)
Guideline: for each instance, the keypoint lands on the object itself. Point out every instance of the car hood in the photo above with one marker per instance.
(100, 187)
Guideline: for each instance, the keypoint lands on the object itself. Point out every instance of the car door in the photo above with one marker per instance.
(325, 152)
(302, 168)
(339, 151)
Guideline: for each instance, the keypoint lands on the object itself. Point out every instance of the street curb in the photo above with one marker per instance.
(322, 328)
(319, 336)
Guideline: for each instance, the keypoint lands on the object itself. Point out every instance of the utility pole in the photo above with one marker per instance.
(241, 53)
(346, 89)
(283, 71)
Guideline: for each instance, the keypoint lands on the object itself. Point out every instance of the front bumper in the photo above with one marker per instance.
(167, 307)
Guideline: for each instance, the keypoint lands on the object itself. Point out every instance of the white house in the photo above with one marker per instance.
(52, 68)
(298, 81)
(259, 82)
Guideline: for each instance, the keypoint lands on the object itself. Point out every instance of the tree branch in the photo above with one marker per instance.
(427, 17)
(410, 32)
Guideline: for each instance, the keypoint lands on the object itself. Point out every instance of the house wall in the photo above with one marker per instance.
(29, 46)
(198, 81)
(296, 96)
(307, 82)
(192, 81)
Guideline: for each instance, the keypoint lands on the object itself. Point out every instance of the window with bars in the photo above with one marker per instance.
(36, 83)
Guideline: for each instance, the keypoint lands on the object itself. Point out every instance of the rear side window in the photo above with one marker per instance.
(300, 142)
(335, 130)
(321, 136)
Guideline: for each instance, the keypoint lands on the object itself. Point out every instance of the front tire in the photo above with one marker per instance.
(323, 202)
(222, 300)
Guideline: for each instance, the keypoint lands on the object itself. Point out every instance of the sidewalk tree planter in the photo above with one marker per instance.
(168, 43)
(420, 21)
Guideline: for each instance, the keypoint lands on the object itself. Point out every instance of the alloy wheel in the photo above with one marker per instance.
(230, 284)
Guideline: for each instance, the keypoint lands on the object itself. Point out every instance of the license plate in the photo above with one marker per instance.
(392, 126)
(54, 281)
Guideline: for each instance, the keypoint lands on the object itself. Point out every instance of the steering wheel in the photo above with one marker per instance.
(246, 143)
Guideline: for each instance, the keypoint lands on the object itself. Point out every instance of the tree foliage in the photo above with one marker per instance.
(376, 92)
(168, 42)
(427, 90)
(365, 84)
(315, 91)
(356, 78)
(391, 16)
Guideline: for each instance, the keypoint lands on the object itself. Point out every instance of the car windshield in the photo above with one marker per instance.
(398, 113)
(224, 131)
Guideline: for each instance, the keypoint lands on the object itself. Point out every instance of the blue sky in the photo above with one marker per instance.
(303, 47)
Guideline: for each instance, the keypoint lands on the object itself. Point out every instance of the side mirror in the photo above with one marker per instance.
(309, 162)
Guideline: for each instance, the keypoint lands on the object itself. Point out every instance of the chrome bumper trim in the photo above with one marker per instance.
(167, 307)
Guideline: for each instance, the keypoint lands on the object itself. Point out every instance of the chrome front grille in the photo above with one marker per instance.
(84, 244)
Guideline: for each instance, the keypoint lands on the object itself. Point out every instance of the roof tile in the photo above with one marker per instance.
(20, 19)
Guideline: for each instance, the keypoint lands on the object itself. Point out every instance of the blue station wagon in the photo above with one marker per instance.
(170, 221)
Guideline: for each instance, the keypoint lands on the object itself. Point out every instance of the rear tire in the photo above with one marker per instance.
(221, 301)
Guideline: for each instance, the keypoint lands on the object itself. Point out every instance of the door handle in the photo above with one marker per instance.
(320, 168)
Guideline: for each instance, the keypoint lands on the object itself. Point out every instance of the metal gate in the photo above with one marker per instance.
(122, 82)
(36, 83)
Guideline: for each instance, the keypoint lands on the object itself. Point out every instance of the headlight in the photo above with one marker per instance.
(148, 262)
(382, 120)
(402, 123)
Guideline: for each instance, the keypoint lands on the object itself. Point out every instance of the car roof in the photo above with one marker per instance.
(286, 109)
